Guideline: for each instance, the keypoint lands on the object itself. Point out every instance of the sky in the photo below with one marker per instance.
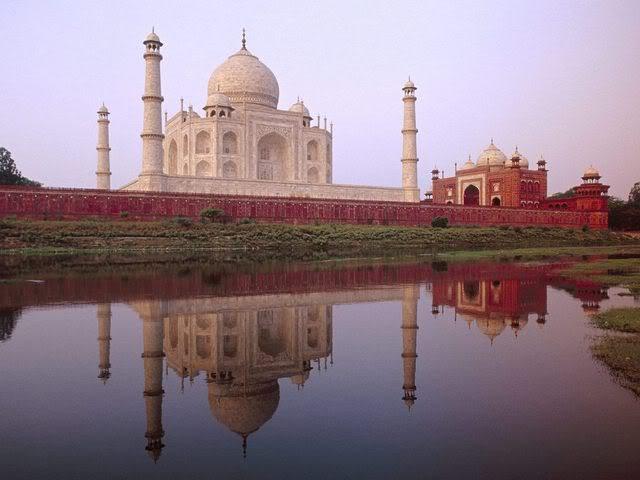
(554, 78)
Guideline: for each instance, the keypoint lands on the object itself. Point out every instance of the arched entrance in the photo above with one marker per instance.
(471, 195)
(495, 202)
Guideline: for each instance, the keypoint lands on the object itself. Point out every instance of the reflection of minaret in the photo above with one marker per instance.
(104, 340)
(409, 336)
(152, 334)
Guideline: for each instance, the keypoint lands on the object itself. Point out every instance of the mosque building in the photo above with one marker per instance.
(493, 180)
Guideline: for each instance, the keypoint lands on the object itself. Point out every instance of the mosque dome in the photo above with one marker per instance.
(467, 165)
(103, 109)
(218, 99)
(524, 163)
(299, 107)
(244, 78)
(491, 156)
(243, 409)
(491, 327)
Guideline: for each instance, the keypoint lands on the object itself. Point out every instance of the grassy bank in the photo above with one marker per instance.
(280, 241)
(620, 353)
(611, 271)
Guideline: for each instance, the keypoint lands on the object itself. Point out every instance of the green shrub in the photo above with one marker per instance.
(517, 229)
(211, 214)
(124, 214)
(585, 228)
(505, 227)
(440, 222)
(246, 221)
(182, 221)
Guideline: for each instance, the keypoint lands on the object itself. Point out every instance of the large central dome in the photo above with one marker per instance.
(244, 78)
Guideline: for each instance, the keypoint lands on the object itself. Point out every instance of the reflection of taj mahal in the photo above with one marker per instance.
(241, 344)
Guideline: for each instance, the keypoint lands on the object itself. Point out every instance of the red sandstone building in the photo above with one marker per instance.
(498, 181)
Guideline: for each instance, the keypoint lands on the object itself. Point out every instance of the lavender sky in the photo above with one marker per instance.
(556, 78)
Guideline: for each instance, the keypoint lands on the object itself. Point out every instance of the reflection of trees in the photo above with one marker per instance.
(8, 320)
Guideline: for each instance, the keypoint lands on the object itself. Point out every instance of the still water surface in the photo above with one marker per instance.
(427, 370)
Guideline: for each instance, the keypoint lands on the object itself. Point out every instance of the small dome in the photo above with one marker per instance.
(244, 78)
(218, 100)
(591, 172)
(299, 107)
(491, 156)
(468, 164)
(409, 84)
(152, 37)
(103, 109)
(524, 163)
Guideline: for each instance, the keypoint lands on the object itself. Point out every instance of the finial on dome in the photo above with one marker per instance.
(153, 29)
(244, 445)
(244, 40)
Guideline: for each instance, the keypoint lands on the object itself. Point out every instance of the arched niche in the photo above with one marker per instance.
(185, 146)
(273, 157)
(203, 169)
(203, 142)
(312, 151)
(229, 170)
(173, 158)
(230, 143)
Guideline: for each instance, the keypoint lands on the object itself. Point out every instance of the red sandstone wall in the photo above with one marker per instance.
(51, 203)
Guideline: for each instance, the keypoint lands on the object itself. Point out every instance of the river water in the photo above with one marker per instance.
(348, 370)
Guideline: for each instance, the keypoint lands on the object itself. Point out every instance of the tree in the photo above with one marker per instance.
(9, 173)
(568, 194)
(634, 194)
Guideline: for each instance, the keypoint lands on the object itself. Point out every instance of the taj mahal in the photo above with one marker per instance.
(242, 143)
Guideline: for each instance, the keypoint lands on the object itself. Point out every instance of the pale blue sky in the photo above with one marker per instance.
(559, 78)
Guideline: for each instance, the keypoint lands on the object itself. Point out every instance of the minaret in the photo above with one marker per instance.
(409, 337)
(104, 340)
(152, 336)
(409, 149)
(152, 135)
(103, 173)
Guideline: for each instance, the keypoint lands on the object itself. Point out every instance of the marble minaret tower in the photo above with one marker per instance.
(104, 340)
(103, 170)
(152, 136)
(409, 337)
(409, 149)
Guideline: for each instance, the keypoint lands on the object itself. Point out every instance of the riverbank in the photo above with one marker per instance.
(306, 242)
(90, 245)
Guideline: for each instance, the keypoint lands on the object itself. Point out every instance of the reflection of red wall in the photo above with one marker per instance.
(290, 279)
(28, 202)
